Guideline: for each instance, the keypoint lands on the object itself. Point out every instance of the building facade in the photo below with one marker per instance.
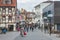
(48, 16)
(57, 15)
(51, 15)
(30, 17)
(39, 12)
(7, 14)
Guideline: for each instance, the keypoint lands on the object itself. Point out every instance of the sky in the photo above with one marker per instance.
(28, 4)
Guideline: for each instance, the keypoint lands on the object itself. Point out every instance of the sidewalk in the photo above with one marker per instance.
(52, 36)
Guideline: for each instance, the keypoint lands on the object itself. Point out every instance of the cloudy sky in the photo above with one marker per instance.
(28, 4)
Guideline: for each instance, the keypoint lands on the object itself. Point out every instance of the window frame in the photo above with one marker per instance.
(49, 12)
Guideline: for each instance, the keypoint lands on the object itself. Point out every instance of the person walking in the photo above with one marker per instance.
(32, 26)
(22, 31)
(27, 28)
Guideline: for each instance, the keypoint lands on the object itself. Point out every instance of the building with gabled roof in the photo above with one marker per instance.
(7, 14)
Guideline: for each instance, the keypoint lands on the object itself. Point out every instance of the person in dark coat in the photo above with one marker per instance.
(4, 30)
(32, 26)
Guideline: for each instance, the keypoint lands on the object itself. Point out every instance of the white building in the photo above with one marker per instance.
(39, 12)
(48, 13)
(54, 14)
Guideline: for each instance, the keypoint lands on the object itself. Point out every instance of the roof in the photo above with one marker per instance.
(44, 2)
(47, 2)
(50, 1)
(37, 5)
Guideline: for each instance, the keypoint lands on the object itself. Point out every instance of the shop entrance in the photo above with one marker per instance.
(11, 27)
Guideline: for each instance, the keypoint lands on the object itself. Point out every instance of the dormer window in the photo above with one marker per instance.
(7, 1)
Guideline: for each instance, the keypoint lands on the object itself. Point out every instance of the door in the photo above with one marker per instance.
(10, 27)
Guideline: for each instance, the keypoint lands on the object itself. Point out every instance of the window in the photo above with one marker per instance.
(3, 11)
(6, 10)
(7, 1)
(0, 9)
(10, 11)
(3, 1)
(14, 17)
(0, 19)
(45, 14)
(45, 20)
(0, 12)
(9, 17)
(49, 12)
(4, 17)
(13, 9)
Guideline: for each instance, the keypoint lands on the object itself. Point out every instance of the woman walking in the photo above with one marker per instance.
(22, 31)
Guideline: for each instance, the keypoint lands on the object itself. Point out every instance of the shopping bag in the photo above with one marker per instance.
(25, 33)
